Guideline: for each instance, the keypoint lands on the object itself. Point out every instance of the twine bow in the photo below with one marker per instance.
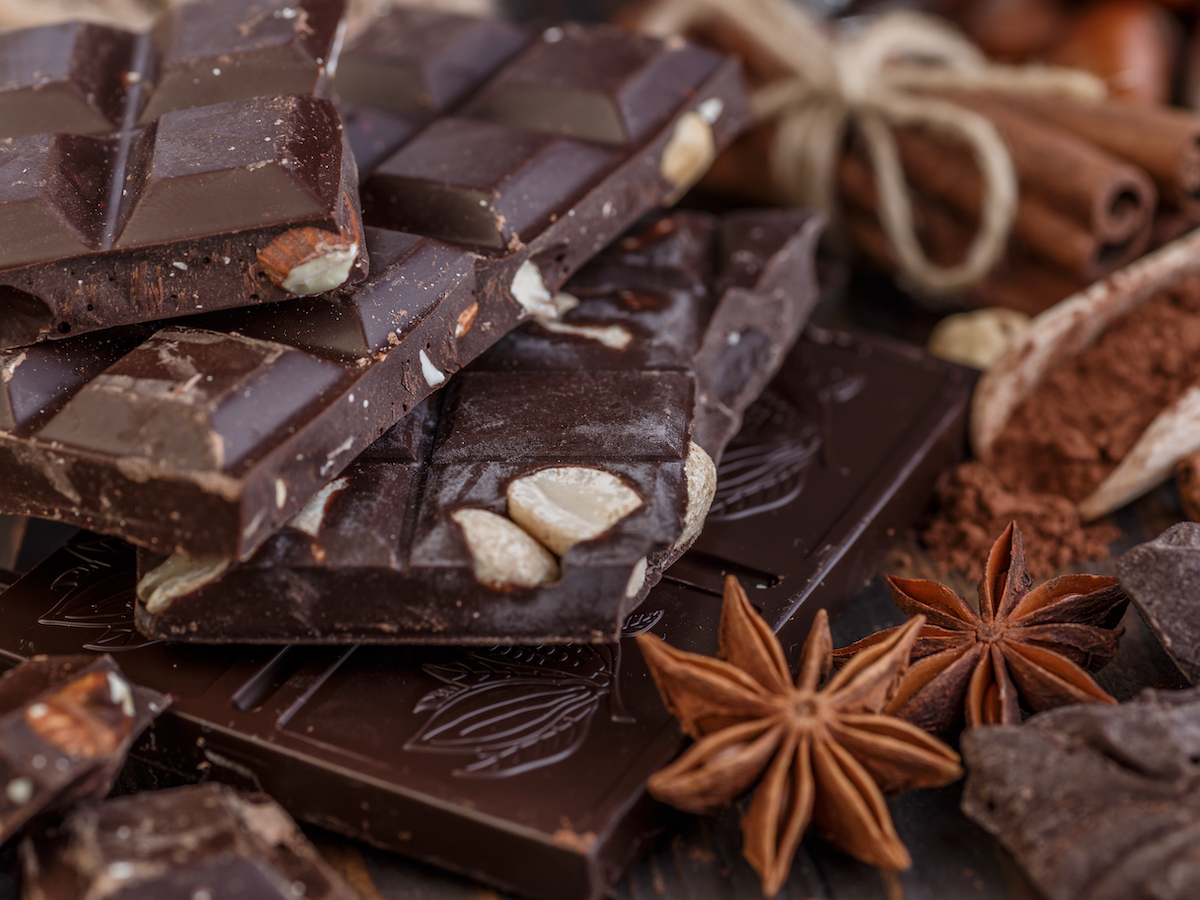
(879, 77)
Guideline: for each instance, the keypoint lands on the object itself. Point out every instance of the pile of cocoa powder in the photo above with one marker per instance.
(1082, 420)
(1065, 438)
(974, 508)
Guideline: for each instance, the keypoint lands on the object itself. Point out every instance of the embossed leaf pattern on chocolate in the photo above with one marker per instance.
(514, 708)
(821, 754)
(90, 600)
(1032, 648)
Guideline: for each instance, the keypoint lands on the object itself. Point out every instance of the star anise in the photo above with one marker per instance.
(823, 754)
(1024, 647)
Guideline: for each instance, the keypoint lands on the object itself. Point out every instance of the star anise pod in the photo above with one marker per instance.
(822, 754)
(1024, 647)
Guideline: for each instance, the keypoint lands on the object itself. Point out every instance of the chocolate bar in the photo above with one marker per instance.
(1094, 801)
(197, 841)
(191, 167)
(256, 410)
(1161, 578)
(411, 66)
(541, 499)
(66, 724)
(525, 767)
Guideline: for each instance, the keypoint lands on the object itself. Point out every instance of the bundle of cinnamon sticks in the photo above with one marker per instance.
(1100, 183)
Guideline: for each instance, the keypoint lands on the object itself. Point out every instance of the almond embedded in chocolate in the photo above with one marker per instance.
(308, 260)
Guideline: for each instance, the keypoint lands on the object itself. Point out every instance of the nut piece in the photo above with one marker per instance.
(636, 578)
(175, 578)
(503, 555)
(977, 338)
(529, 289)
(308, 260)
(84, 718)
(311, 517)
(701, 487)
(465, 320)
(568, 504)
(688, 154)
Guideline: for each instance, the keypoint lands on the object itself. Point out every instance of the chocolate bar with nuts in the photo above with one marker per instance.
(541, 499)
(196, 841)
(209, 434)
(192, 167)
(525, 767)
(66, 724)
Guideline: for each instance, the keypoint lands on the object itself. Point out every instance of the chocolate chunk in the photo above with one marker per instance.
(66, 724)
(420, 63)
(574, 435)
(369, 354)
(526, 766)
(191, 167)
(1162, 578)
(201, 841)
(1096, 802)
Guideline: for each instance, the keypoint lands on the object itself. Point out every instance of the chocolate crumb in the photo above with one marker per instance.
(974, 506)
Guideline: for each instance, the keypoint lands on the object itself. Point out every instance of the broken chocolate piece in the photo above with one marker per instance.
(1162, 578)
(370, 353)
(192, 167)
(1095, 802)
(66, 724)
(573, 435)
(197, 842)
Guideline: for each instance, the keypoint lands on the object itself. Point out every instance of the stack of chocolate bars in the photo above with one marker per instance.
(396, 344)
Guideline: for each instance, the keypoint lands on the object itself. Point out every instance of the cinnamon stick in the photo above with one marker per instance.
(1163, 141)
(946, 171)
(1114, 199)
(1017, 282)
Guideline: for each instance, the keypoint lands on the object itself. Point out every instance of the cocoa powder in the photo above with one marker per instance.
(1081, 421)
(974, 508)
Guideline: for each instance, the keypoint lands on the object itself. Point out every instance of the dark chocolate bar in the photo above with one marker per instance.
(66, 724)
(1162, 578)
(192, 167)
(255, 410)
(199, 841)
(559, 475)
(1095, 802)
(526, 767)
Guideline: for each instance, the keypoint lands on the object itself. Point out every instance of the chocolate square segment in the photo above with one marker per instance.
(146, 405)
(222, 50)
(47, 195)
(598, 84)
(233, 166)
(417, 62)
(480, 183)
(63, 78)
(581, 416)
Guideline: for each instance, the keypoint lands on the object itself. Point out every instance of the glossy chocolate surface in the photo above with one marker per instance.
(526, 767)
(155, 168)
(368, 354)
(622, 384)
